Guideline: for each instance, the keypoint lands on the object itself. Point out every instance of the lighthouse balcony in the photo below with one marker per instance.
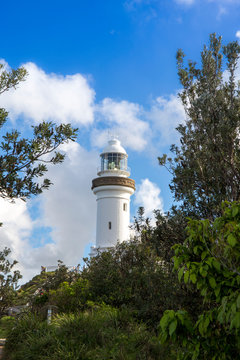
(113, 170)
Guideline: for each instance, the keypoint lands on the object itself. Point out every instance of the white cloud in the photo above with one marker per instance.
(225, 1)
(17, 225)
(148, 195)
(70, 99)
(185, 2)
(5, 67)
(50, 97)
(131, 5)
(238, 34)
(222, 10)
(226, 73)
(124, 119)
(166, 114)
(69, 206)
(221, 3)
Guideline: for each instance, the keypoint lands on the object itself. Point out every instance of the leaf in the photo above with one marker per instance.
(172, 327)
(195, 249)
(234, 211)
(166, 318)
(216, 264)
(206, 323)
(217, 291)
(193, 278)
(163, 337)
(235, 323)
(204, 254)
(221, 316)
(203, 272)
(231, 240)
(177, 262)
(238, 301)
(186, 277)
(212, 282)
(204, 291)
(180, 273)
(164, 322)
(200, 328)
(234, 308)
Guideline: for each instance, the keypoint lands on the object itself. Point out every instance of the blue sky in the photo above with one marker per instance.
(101, 65)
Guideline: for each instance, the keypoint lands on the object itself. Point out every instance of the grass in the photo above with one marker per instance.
(103, 333)
(6, 324)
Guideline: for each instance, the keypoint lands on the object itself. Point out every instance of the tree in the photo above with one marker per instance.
(205, 169)
(206, 165)
(210, 260)
(22, 162)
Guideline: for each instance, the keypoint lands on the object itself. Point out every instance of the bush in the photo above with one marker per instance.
(132, 275)
(70, 297)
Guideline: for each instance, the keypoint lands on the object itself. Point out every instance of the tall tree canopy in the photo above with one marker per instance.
(206, 165)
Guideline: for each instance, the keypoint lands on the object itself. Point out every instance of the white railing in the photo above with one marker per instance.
(116, 168)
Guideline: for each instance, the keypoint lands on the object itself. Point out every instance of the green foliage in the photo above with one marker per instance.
(10, 79)
(133, 276)
(210, 260)
(205, 171)
(23, 161)
(37, 291)
(23, 337)
(206, 165)
(105, 333)
(6, 324)
(71, 297)
(28, 291)
(8, 280)
(169, 230)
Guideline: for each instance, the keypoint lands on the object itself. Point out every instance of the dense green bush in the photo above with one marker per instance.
(209, 259)
(134, 276)
(71, 297)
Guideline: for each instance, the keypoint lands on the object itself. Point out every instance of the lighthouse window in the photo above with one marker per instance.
(113, 161)
(109, 225)
(124, 207)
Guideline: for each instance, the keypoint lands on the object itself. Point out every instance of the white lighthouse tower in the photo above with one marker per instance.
(113, 189)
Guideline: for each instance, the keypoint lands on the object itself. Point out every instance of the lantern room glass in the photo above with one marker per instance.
(113, 161)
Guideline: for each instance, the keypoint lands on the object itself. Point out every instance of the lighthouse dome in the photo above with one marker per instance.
(114, 146)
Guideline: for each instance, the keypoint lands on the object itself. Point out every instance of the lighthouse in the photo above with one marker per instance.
(113, 189)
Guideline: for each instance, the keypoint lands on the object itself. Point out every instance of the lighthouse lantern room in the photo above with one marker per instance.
(113, 189)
